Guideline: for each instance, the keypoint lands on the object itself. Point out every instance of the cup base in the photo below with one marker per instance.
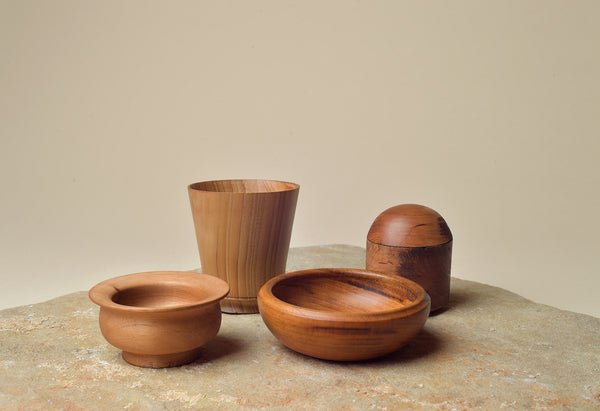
(161, 361)
(239, 305)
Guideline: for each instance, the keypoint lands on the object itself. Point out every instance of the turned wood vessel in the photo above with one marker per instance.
(243, 230)
(160, 319)
(343, 314)
(414, 242)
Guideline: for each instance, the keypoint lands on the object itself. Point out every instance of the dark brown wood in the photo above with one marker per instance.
(160, 319)
(414, 242)
(343, 314)
(427, 266)
(409, 225)
(243, 230)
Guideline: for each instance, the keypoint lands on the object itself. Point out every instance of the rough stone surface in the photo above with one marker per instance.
(491, 349)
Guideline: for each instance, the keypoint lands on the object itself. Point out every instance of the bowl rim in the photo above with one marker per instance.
(103, 292)
(266, 296)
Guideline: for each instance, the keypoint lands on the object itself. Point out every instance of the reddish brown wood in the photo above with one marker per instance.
(414, 242)
(160, 319)
(243, 230)
(343, 314)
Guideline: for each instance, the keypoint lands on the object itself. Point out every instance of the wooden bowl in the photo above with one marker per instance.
(343, 314)
(160, 319)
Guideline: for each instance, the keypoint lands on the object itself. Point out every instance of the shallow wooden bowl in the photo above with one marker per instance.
(343, 314)
(160, 319)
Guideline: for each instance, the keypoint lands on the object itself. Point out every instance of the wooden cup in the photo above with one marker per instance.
(243, 230)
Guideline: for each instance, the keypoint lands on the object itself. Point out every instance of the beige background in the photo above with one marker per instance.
(486, 111)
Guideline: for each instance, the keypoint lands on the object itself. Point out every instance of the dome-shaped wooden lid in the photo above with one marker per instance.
(409, 225)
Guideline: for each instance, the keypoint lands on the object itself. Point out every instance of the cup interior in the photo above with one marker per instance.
(244, 186)
(346, 293)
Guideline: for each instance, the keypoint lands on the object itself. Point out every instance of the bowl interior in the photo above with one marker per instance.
(244, 186)
(341, 291)
(163, 295)
(159, 290)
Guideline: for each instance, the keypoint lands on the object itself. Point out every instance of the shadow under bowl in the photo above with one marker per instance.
(343, 314)
(162, 318)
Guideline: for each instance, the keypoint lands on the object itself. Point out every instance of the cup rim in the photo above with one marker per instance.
(285, 186)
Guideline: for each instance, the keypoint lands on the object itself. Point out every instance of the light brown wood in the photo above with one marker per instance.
(243, 229)
(343, 314)
(414, 242)
(162, 318)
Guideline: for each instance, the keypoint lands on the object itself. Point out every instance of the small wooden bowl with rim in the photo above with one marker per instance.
(162, 318)
(343, 314)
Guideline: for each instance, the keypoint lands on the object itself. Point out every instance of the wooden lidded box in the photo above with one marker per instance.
(413, 241)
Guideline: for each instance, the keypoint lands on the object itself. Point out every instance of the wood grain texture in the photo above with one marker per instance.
(343, 314)
(160, 319)
(409, 225)
(427, 266)
(414, 242)
(243, 229)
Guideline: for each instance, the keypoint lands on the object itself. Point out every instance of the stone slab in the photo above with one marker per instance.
(491, 349)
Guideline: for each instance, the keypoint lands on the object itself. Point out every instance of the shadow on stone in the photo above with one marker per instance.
(457, 299)
(439, 311)
(221, 346)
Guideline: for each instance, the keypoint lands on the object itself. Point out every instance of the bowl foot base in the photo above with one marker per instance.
(161, 361)
(239, 305)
